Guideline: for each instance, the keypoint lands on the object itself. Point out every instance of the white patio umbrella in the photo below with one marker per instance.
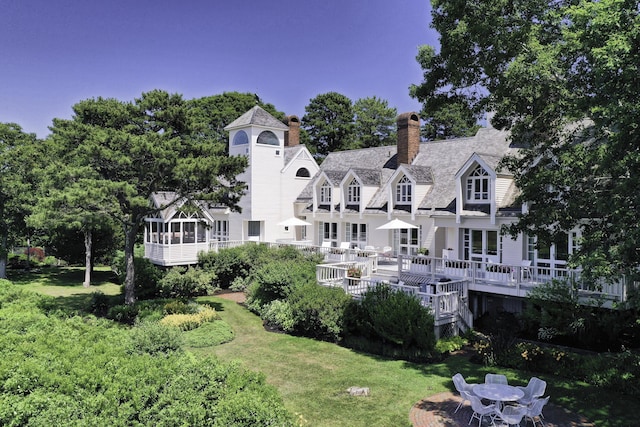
(395, 224)
(293, 221)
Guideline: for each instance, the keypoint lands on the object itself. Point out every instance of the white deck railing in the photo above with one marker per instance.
(504, 278)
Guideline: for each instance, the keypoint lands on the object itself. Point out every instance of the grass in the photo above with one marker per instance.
(66, 284)
(313, 376)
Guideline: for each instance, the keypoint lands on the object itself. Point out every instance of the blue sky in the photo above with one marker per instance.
(55, 53)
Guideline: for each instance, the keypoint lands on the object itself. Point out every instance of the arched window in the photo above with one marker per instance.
(478, 185)
(303, 173)
(353, 192)
(240, 138)
(325, 193)
(268, 138)
(404, 190)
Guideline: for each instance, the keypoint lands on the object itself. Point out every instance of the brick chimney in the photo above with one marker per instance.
(408, 137)
(292, 136)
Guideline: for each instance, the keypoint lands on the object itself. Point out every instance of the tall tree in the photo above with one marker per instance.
(217, 111)
(329, 123)
(19, 158)
(119, 153)
(563, 77)
(374, 124)
(446, 113)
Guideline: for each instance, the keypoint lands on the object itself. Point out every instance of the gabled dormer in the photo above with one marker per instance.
(326, 193)
(357, 188)
(476, 187)
(407, 187)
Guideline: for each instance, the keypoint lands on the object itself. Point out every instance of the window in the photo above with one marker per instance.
(220, 231)
(356, 234)
(481, 245)
(325, 194)
(188, 232)
(303, 173)
(328, 232)
(201, 235)
(353, 192)
(408, 240)
(240, 138)
(254, 229)
(268, 138)
(403, 190)
(175, 233)
(478, 185)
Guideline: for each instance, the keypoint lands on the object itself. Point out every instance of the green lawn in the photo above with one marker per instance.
(313, 376)
(66, 284)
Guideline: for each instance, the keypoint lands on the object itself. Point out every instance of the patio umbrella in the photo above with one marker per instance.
(395, 224)
(293, 221)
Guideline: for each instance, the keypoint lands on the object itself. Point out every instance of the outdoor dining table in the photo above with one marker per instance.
(498, 392)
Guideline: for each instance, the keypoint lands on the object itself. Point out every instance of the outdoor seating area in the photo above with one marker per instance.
(500, 404)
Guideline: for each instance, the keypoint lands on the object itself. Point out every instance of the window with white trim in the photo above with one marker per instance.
(325, 194)
(220, 230)
(353, 192)
(404, 190)
(356, 234)
(478, 185)
(328, 232)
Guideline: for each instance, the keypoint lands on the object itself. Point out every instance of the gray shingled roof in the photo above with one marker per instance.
(368, 176)
(437, 163)
(257, 116)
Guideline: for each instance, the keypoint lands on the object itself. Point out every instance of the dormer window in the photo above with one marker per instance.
(478, 185)
(325, 194)
(404, 190)
(353, 192)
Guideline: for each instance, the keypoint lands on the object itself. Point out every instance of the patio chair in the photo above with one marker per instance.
(463, 387)
(512, 414)
(495, 379)
(345, 245)
(525, 269)
(533, 390)
(387, 253)
(326, 244)
(535, 410)
(480, 410)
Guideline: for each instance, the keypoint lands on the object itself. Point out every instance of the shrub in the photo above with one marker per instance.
(123, 313)
(226, 264)
(180, 282)
(36, 254)
(318, 311)
(187, 322)
(393, 317)
(154, 337)
(276, 280)
(99, 304)
(180, 307)
(209, 334)
(147, 276)
(278, 314)
(449, 344)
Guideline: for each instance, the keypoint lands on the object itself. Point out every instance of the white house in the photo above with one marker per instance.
(452, 191)
(279, 169)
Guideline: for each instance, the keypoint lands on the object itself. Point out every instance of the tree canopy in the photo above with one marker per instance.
(563, 77)
(329, 123)
(117, 154)
(19, 154)
(375, 123)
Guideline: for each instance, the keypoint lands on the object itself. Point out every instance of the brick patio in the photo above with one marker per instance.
(438, 410)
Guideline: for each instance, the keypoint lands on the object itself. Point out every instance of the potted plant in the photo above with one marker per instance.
(423, 251)
(354, 272)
